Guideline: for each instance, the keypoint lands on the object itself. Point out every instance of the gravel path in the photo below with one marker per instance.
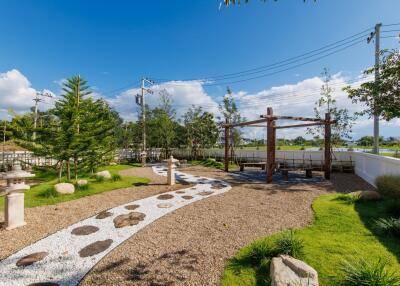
(191, 245)
(64, 257)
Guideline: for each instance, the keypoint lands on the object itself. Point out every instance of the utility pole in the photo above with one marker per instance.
(37, 99)
(140, 100)
(377, 35)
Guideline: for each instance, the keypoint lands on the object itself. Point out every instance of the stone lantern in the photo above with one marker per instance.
(14, 202)
(171, 170)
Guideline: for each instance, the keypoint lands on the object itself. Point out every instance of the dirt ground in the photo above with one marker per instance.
(190, 245)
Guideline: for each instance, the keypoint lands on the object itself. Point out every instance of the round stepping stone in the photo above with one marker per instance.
(104, 214)
(85, 230)
(31, 258)
(187, 197)
(164, 206)
(44, 284)
(132, 218)
(165, 197)
(205, 193)
(180, 192)
(131, 207)
(95, 248)
(217, 186)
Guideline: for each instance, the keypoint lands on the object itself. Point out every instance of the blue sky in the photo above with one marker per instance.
(113, 43)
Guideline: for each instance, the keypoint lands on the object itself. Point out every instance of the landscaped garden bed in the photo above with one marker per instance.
(344, 233)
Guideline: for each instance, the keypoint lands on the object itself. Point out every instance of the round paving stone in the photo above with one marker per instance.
(104, 214)
(217, 186)
(132, 218)
(205, 193)
(187, 197)
(180, 192)
(131, 207)
(164, 206)
(85, 230)
(31, 258)
(95, 248)
(165, 197)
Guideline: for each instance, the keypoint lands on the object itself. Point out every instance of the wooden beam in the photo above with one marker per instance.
(328, 158)
(299, 125)
(226, 157)
(279, 117)
(270, 135)
(245, 123)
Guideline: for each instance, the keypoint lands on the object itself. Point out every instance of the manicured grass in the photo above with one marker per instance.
(42, 194)
(341, 230)
(212, 164)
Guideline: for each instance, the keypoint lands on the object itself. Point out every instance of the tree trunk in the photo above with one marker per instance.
(60, 171)
(76, 168)
(68, 170)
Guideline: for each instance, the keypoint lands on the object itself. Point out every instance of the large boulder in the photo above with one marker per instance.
(367, 195)
(64, 188)
(105, 174)
(286, 270)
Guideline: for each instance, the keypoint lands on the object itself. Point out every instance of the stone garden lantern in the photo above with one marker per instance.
(14, 202)
(171, 170)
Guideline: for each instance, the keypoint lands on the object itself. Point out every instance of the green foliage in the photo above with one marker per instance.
(389, 185)
(289, 244)
(392, 209)
(261, 251)
(383, 96)
(50, 192)
(116, 177)
(389, 226)
(361, 272)
(338, 230)
(348, 199)
(82, 187)
(99, 179)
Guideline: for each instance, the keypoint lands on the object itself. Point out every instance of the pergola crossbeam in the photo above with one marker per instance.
(281, 117)
(247, 123)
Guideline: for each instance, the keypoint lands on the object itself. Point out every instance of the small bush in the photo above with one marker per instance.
(348, 199)
(389, 185)
(116, 177)
(389, 226)
(49, 193)
(99, 179)
(82, 187)
(261, 252)
(392, 209)
(289, 244)
(365, 273)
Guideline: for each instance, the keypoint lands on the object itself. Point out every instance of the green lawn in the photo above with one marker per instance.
(34, 197)
(213, 164)
(340, 231)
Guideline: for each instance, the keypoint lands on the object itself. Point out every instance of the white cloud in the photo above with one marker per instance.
(183, 95)
(16, 93)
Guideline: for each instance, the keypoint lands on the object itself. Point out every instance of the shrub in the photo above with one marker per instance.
(116, 177)
(392, 209)
(260, 251)
(82, 187)
(389, 226)
(289, 244)
(348, 199)
(99, 179)
(49, 193)
(389, 185)
(365, 273)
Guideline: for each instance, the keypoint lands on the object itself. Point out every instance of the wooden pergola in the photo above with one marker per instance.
(271, 126)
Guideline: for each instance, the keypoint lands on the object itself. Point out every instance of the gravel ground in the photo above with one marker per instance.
(191, 245)
(45, 220)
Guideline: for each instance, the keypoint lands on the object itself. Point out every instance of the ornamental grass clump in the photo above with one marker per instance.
(360, 272)
(116, 177)
(348, 199)
(289, 244)
(389, 185)
(49, 193)
(389, 226)
(99, 179)
(261, 252)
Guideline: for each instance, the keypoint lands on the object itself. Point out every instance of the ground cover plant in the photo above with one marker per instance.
(44, 193)
(212, 163)
(341, 232)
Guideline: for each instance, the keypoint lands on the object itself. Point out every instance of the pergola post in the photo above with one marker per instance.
(226, 157)
(270, 146)
(328, 158)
